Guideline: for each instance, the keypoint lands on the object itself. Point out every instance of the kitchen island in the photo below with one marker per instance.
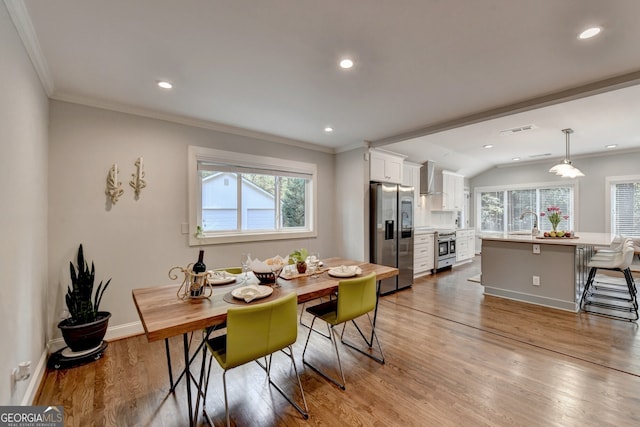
(544, 271)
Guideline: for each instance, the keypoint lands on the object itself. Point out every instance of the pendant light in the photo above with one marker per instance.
(566, 169)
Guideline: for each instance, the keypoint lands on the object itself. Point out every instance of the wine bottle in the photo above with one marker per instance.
(198, 267)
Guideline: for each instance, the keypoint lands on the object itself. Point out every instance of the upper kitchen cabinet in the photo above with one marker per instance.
(411, 178)
(444, 189)
(385, 167)
(452, 191)
(411, 175)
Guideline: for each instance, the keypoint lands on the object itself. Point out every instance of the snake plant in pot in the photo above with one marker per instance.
(86, 326)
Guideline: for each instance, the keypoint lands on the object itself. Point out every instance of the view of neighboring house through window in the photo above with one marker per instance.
(625, 205)
(250, 201)
(512, 210)
(240, 197)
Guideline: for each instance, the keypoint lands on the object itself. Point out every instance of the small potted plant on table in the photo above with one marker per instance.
(299, 258)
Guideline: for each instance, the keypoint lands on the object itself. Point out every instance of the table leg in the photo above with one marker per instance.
(166, 348)
(185, 342)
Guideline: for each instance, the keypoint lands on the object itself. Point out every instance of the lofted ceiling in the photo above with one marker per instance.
(433, 79)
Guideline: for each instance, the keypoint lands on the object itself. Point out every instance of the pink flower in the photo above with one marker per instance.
(565, 217)
(542, 214)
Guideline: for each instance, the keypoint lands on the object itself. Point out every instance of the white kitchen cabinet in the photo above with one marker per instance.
(385, 167)
(452, 191)
(411, 178)
(423, 253)
(411, 175)
(465, 244)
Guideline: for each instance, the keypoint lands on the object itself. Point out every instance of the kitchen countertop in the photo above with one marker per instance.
(595, 239)
(425, 230)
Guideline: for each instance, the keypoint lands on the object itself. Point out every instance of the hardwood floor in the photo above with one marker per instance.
(453, 358)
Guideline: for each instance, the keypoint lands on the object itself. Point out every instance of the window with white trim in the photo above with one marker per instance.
(624, 205)
(235, 197)
(515, 208)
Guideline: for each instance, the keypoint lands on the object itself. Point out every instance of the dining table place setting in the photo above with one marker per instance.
(344, 271)
(254, 293)
(217, 278)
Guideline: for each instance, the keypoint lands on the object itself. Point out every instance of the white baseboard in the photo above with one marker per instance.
(36, 380)
(113, 333)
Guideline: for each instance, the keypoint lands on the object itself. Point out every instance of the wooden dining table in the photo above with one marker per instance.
(164, 315)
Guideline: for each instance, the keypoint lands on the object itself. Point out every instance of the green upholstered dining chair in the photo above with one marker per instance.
(356, 297)
(218, 329)
(258, 331)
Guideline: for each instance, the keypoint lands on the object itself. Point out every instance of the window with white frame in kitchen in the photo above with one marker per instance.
(235, 197)
(624, 205)
(514, 209)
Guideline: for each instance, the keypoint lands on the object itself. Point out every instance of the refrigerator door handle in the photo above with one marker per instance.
(388, 229)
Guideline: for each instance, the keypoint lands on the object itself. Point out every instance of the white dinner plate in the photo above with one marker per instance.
(252, 292)
(345, 271)
(220, 280)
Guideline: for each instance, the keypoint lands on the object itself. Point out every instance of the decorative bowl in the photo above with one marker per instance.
(265, 277)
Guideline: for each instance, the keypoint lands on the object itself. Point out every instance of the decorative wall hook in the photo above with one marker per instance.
(114, 188)
(138, 182)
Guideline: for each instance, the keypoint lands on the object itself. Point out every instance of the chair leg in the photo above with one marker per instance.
(592, 275)
(302, 311)
(630, 281)
(226, 402)
(335, 345)
(369, 342)
(267, 368)
(206, 387)
(304, 401)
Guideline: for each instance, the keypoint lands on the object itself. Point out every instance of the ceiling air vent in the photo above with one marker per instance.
(517, 130)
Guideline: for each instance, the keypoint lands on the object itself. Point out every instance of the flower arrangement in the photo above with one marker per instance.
(554, 214)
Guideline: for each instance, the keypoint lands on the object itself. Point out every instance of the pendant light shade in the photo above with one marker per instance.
(565, 168)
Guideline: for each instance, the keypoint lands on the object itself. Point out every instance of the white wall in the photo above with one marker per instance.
(591, 188)
(352, 204)
(137, 242)
(23, 211)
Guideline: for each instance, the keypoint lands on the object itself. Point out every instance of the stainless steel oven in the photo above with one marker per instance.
(445, 250)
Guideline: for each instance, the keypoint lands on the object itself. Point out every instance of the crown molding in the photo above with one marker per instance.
(21, 20)
(175, 118)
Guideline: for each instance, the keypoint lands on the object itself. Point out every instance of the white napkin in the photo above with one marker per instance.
(249, 293)
(348, 269)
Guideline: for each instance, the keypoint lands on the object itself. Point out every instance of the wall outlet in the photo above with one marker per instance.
(184, 228)
(536, 280)
(536, 249)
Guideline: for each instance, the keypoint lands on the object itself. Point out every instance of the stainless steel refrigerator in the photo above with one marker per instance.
(391, 232)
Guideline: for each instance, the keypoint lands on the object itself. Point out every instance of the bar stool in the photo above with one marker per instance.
(607, 295)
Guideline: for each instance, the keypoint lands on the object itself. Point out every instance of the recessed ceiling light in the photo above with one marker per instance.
(487, 146)
(611, 146)
(328, 129)
(165, 85)
(346, 63)
(516, 159)
(589, 32)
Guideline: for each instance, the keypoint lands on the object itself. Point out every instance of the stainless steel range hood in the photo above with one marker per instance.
(427, 179)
